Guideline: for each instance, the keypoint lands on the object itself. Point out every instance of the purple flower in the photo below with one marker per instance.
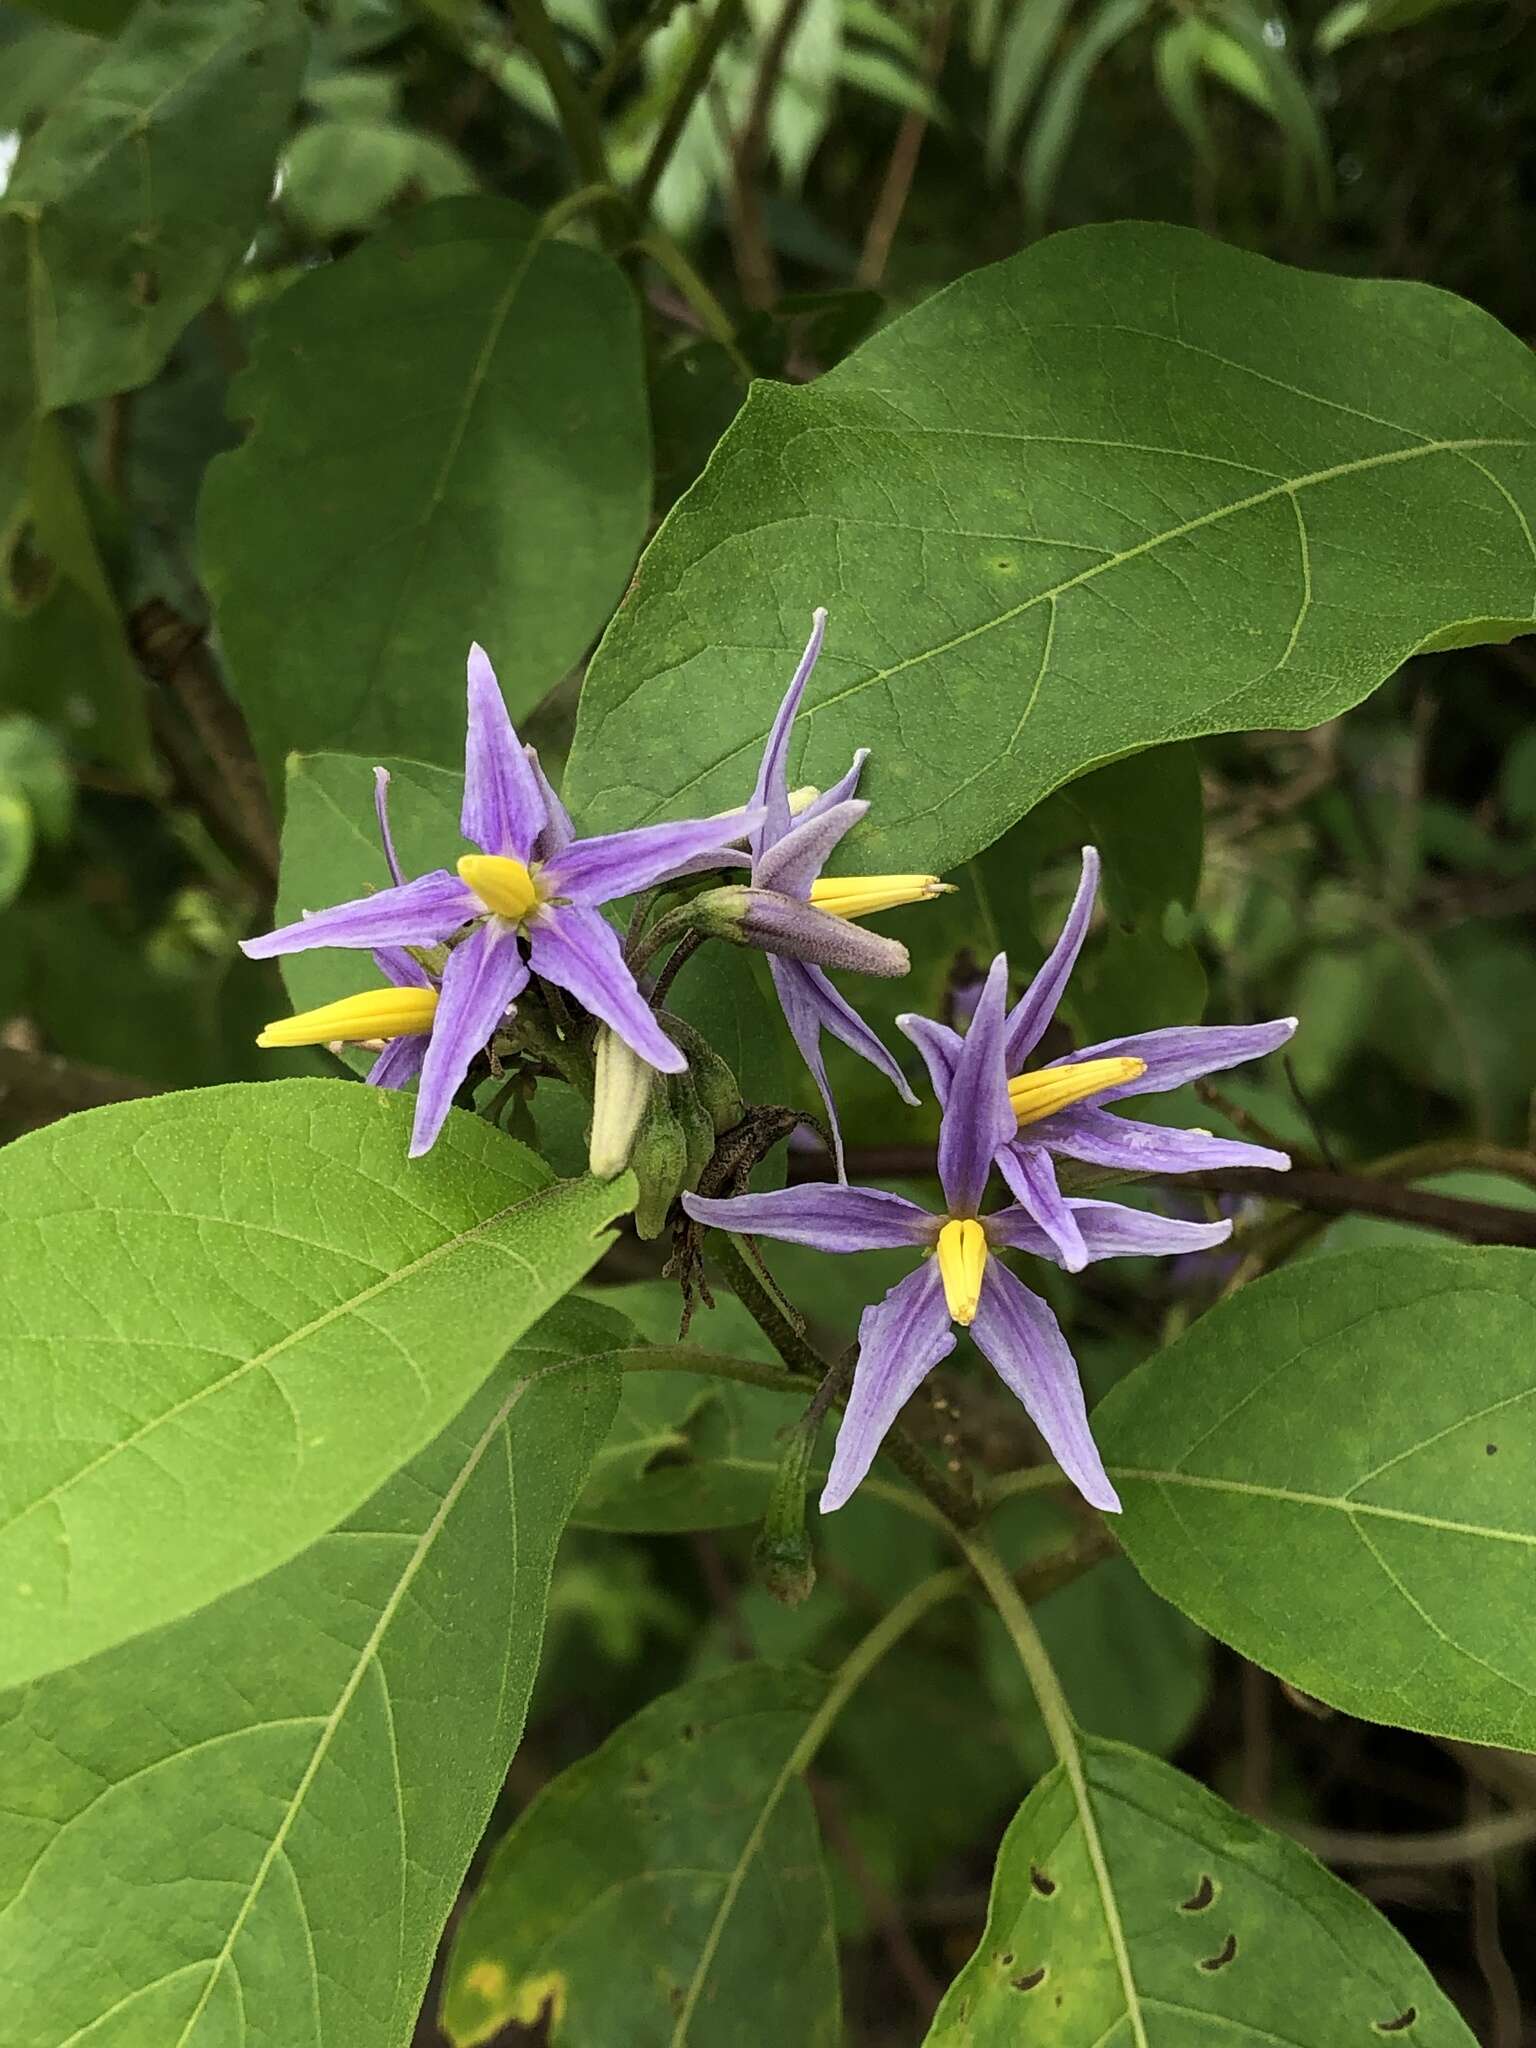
(1060, 1107)
(803, 920)
(530, 898)
(904, 1336)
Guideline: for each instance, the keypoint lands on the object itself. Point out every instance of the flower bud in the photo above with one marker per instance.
(696, 1124)
(714, 1083)
(659, 1161)
(621, 1089)
(776, 923)
(781, 1555)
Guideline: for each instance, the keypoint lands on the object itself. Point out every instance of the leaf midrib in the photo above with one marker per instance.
(1340, 1503)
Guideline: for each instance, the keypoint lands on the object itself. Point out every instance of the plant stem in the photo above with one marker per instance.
(1062, 1730)
(755, 264)
(713, 318)
(892, 202)
(676, 961)
(578, 117)
(957, 1507)
(693, 81)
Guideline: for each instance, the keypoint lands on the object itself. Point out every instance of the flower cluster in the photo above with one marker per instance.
(459, 949)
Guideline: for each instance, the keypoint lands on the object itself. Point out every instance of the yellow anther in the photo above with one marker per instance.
(962, 1262)
(859, 895)
(503, 885)
(376, 1013)
(1051, 1088)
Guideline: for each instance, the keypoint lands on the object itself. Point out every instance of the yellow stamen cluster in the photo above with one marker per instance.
(1051, 1088)
(504, 886)
(376, 1013)
(962, 1253)
(860, 895)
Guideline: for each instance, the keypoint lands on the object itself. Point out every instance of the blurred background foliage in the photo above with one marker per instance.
(1376, 876)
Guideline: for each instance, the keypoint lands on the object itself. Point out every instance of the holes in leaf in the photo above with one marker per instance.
(1490, 1449)
(1005, 1962)
(1031, 1979)
(1039, 1882)
(1408, 2015)
(1227, 1953)
(1202, 1895)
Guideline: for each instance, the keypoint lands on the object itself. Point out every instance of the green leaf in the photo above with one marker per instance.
(1353, 18)
(340, 175)
(97, 17)
(1170, 1919)
(304, 1767)
(1128, 486)
(485, 477)
(227, 1317)
(1061, 107)
(1027, 45)
(1332, 1471)
(137, 194)
(667, 1889)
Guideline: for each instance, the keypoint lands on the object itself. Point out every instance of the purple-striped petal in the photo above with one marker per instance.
(827, 1217)
(772, 792)
(978, 1117)
(901, 1340)
(381, 812)
(402, 968)
(1029, 1172)
(592, 871)
(792, 863)
(558, 830)
(1101, 1139)
(797, 930)
(483, 976)
(1109, 1230)
(1036, 1007)
(1022, 1342)
(400, 1062)
(419, 913)
(574, 947)
(1184, 1053)
(844, 787)
(503, 809)
(939, 1046)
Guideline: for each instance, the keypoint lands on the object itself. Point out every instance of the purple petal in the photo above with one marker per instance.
(1029, 1172)
(1022, 1342)
(829, 1218)
(381, 811)
(939, 1046)
(811, 1004)
(1036, 1007)
(978, 1117)
(840, 791)
(622, 863)
(772, 792)
(792, 863)
(797, 930)
(1102, 1139)
(1184, 1053)
(400, 1062)
(419, 913)
(901, 1340)
(402, 968)
(576, 948)
(483, 976)
(558, 830)
(1114, 1230)
(503, 809)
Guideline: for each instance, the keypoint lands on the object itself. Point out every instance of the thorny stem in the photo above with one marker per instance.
(957, 1507)
(693, 81)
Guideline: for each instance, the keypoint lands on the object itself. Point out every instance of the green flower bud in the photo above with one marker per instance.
(660, 1161)
(781, 1556)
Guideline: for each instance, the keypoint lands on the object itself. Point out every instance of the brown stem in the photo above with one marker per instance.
(756, 268)
(897, 183)
(693, 81)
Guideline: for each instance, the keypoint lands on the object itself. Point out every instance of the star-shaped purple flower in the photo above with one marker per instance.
(1061, 1107)
(804, 922)
(531, 901)
(961, 1280)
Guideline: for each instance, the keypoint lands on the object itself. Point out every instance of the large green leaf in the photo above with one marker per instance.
(1126, 487)
(1148, 1914)
(667, 1891)
(138, 192)
(484, 477)
(305, 1767)
(226, 1318)
(1335, 1471)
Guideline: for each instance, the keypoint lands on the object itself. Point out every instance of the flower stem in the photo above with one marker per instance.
(578, 117)
(956, 1505)
(690, 85)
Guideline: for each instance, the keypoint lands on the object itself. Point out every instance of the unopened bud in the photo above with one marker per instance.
(781, 1556)
(696, 1124)
(659, 1160)
(776, 923)
(621, 1089)
(714, 1083)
